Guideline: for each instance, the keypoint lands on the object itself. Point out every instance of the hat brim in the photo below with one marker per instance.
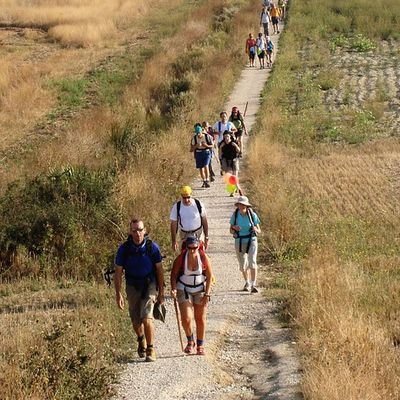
(243, 203)
(159, 312)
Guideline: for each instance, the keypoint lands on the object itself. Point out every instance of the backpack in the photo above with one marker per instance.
(249, 213)
(208, 139)
(149, 251)
(178, 213)
(270, 46)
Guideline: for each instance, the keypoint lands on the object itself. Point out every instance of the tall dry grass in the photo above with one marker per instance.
(330, 207)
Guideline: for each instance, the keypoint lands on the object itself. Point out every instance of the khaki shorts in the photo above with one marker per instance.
(193, 298)
(141, 308)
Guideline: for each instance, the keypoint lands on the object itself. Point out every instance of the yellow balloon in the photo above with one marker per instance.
(230, 188)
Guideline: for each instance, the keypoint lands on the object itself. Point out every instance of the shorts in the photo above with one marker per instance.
(238, 133)
(261, 54)
(193, 298)
(274, 20)
(247, 260)
(141, 308)
(230, 165)
(203, 158)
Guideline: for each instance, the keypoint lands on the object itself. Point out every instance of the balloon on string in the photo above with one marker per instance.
(227, 177)
(233, 180)
(230, 188)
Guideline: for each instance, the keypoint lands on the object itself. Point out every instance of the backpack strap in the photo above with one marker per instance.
(178, 209)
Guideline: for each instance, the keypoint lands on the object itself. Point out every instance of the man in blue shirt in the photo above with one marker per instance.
(245, 225)
(140, 260)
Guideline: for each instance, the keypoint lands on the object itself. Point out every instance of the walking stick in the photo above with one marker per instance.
(245, 109)
(179, 325)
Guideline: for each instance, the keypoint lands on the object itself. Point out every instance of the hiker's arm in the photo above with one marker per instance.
(257, 229)
(160, 282)
(173, 228)
(205, 230)
(118, 284)
(209, 274)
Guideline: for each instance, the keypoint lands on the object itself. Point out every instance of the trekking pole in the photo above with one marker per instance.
(178, 322)
(245, 109)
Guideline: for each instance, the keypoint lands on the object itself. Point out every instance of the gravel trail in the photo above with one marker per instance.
(249, 355)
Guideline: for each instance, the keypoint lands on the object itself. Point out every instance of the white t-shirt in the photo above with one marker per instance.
(190, 218)
(221, 127)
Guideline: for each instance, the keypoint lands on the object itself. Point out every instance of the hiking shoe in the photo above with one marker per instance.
(254, 289)
(212, 179)
(206, 184)
(190, 347)
(200, 351)
(150, 354)
(246, 287)
(141, 350)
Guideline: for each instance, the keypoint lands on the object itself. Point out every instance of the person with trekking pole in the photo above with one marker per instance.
(191, 279)
(140, 260)
(188, 217)
(245, 226)
(237, 119)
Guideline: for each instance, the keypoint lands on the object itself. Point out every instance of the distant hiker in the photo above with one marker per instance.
(202, 144)
(237, 119)
(260, 43)
(251, 49)
(265, 19)
(282, 8)
(223, 125)
(245, 225)
(208, 129)
(191, 279)
(140, 260)
(229, 154)
(188, 217)
(275, 14)
(269, 51)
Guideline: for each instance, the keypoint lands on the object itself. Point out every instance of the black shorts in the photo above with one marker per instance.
(274, 20)
(262, 54)
(238, 133)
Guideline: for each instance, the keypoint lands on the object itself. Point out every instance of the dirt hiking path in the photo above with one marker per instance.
(249, 355)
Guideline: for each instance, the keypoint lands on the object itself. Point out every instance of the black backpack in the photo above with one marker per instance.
(178, 212)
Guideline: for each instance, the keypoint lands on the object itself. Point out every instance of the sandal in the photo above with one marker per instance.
(200, 351)
(189, 349)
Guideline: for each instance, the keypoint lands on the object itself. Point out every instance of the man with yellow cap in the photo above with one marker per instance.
(188, 216)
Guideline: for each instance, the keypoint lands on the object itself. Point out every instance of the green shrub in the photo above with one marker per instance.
(56, 215)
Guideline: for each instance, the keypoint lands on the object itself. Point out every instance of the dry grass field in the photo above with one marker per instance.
(325, 167)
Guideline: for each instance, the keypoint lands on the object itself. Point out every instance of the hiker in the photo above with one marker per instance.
(221, 126)
(229, 155)
(251, 49)
(140, 260)
(191, 279)
(275, 14)
(208, 129)
(245, 225)
(188, 216)
(202, 144)
(269, 51)
(265, 19)
(282, 8)
(260, 43)
(237, 119)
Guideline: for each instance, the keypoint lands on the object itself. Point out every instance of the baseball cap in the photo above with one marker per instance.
(186, 191)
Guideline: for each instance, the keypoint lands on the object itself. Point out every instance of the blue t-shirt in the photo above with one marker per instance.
(138, 265)
(244, 222)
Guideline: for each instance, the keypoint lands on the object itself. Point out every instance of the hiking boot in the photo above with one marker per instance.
(150, 354)
(246, 287)
(254, 289)
(141, 350)
(190, 347)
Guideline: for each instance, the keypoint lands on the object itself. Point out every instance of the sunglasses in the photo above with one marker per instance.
(186, 197)
(138, 230)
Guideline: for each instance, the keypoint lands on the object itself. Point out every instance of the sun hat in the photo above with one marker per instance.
(243, 200)
(192, 239)
(159, 311)
(186, 191)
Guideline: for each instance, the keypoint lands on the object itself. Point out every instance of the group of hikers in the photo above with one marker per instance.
(139, 258)
(191, 279)
(221, 142)
(262, 46)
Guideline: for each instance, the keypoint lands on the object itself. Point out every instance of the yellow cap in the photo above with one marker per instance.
(186, 191)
